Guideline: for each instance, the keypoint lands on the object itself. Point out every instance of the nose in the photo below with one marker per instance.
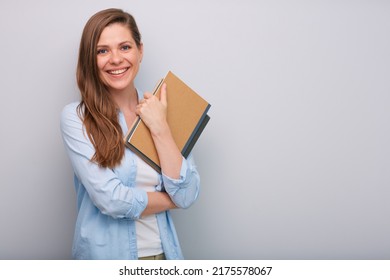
(116, 57)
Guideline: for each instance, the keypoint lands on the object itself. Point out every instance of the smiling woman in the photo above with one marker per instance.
(123, 203)
(119, 58)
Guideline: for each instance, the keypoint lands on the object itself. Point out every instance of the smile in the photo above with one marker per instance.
(117, 72)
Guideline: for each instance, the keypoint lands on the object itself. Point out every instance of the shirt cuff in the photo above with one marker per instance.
(139, 203)
(183, 174)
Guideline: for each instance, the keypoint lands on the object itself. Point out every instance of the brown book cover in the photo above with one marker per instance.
(186, 116)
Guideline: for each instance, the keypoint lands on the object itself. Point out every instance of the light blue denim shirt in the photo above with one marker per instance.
(108, 202)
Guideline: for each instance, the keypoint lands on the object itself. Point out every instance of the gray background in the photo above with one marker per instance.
(295, 161)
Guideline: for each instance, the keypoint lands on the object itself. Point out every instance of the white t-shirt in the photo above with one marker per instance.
(148, 234)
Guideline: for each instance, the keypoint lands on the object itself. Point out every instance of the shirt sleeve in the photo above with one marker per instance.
(103, 186)
(185, 190)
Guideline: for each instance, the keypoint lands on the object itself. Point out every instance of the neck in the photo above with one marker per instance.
(126, 99)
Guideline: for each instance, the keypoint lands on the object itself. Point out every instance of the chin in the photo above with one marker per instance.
(119, 85)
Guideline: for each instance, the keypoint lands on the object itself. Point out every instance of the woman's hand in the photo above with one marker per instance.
(153, 111)
(158, 202)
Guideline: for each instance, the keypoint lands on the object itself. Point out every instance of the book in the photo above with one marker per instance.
(186, 116)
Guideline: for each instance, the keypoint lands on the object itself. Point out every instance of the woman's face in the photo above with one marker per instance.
(118, 57)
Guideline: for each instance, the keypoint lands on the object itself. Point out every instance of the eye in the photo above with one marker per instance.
(126, 47)
(102, 51)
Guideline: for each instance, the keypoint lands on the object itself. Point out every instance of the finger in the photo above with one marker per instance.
(163, 95)
(147, 95)
(138, 110)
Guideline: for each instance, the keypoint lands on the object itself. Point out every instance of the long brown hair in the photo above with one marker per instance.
(97, 109)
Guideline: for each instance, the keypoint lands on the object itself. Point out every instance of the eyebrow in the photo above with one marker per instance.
(121, 43)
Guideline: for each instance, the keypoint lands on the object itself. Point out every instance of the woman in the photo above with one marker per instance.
(123, 204)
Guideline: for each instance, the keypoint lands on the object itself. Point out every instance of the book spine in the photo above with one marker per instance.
(196, 133)
(194, 137)
(131, 132)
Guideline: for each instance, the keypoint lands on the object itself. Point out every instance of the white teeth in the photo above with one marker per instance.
(118, 72)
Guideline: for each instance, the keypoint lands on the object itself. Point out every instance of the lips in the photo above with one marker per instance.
(117, 71)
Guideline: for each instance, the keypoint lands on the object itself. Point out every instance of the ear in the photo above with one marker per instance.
(141, 51)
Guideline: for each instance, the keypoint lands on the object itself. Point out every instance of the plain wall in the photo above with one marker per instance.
(295, 162)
